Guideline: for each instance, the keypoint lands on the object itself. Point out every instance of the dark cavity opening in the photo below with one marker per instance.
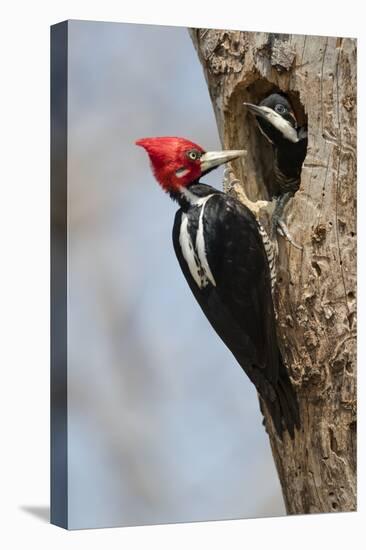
(256, 170)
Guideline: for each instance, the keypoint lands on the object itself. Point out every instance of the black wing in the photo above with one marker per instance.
(239, 306)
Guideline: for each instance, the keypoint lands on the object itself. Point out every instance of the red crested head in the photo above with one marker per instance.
(178, 162)
(175, 161)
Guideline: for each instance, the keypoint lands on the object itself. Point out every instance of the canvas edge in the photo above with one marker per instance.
(58, 268)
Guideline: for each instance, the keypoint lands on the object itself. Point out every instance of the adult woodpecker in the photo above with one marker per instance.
(277, 122)
(222, 256)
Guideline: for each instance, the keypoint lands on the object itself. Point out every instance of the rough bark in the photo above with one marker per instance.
(316, 287)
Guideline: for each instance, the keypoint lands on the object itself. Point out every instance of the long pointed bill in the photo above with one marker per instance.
(215, 158)
(275, 119)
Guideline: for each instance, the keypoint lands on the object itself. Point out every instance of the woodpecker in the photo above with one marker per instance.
(277, 122)
(221, 254)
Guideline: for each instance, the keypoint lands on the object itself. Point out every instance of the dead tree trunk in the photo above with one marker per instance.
(315, 295)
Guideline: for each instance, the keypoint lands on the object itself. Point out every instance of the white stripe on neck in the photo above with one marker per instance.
(200, 244)
(186, 246)
(195, 256)
(191, 198)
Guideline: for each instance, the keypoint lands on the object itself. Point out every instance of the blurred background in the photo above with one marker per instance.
(163, 424)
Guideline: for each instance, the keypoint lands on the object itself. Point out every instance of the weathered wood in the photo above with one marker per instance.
(316, 287)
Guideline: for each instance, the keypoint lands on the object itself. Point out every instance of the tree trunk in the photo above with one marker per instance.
(315, 298)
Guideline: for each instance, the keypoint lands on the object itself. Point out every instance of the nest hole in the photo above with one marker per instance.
(256, 171)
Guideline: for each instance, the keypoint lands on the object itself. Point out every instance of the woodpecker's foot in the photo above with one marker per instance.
(282, 230)
(229, 178)
(278, 225)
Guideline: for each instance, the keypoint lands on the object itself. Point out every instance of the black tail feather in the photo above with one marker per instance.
(286, 405)
(284, 409)
(290, 401)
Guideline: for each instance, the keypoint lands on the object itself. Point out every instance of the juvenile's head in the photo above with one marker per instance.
(276, 119)
(178, 162)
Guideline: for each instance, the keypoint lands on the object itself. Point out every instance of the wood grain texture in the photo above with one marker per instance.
(316, 287)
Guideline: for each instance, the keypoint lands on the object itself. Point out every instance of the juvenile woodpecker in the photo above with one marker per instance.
(222, 256)
(277, 122)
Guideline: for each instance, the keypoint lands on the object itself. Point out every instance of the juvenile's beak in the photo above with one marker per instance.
(275, 119)
(215, 158)
(258, 111)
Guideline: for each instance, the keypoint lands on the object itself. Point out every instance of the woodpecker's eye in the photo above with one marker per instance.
(281, 109)
(193, 155)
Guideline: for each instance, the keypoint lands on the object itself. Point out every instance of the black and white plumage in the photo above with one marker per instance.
(268, 247)
(228, 181)
(220, 250)
(222, 256)
(277, 122)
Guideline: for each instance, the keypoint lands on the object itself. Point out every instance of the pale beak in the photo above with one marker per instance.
(215, 158)
(275, 119)
(257, 110)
